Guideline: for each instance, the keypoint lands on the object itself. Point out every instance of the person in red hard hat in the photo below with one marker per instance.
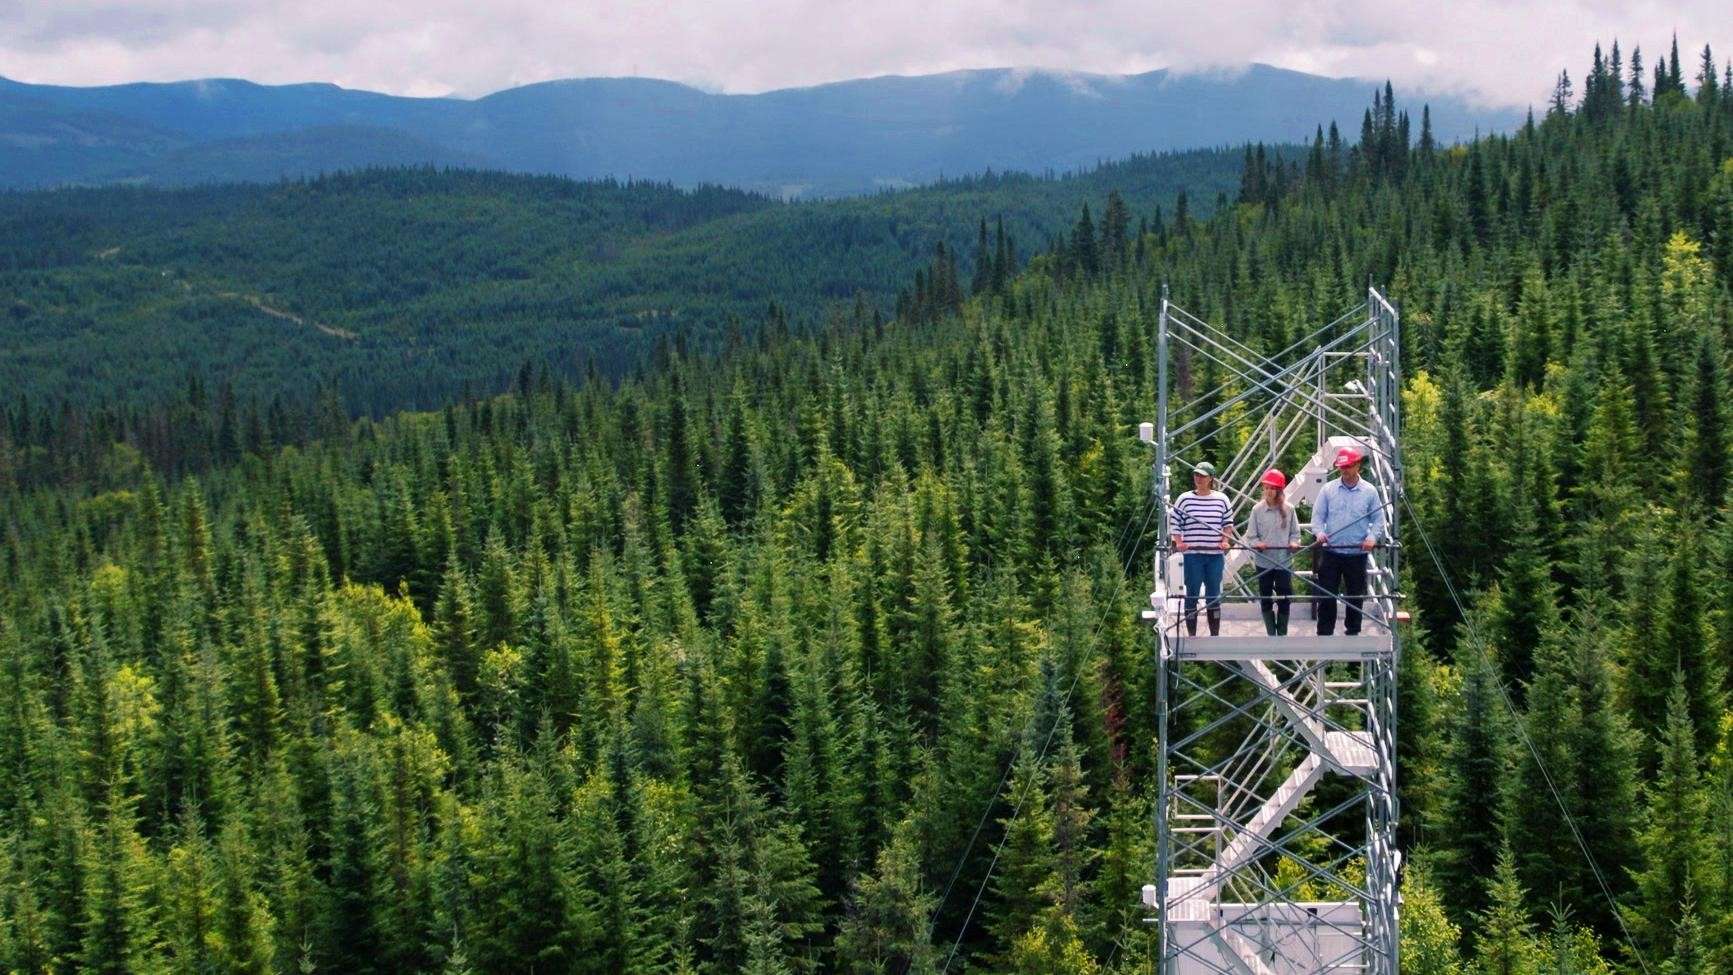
(1347, 522)
(1273, 532)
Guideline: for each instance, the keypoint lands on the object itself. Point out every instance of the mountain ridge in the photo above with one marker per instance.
(834, 139)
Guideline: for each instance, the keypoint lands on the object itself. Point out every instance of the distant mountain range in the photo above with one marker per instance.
(836, 139)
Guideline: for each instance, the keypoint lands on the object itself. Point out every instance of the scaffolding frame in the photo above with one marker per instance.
(1276, 759)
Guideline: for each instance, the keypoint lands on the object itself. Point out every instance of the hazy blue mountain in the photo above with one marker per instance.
(42, 143)
(848, 137)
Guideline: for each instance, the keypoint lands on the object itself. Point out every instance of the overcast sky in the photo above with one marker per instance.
(1504, 51)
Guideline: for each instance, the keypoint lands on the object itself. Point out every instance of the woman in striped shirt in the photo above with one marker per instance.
(1202, 527)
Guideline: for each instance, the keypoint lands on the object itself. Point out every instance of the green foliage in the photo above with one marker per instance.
(1478, 766)
(1583, 744)
(1677, 855)
(1504, 935)
(1429, 939)
(715, 666)
(885, 928)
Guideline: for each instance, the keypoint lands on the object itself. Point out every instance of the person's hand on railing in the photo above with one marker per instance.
(1368, 544)
(1260, 546)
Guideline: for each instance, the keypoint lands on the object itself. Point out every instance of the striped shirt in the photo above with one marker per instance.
(1201, 520)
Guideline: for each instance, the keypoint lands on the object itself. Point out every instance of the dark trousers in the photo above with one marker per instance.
(1340, 574)
(1274, 588)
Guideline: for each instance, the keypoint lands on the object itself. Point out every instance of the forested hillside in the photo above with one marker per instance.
(400, 288)
(753, 662)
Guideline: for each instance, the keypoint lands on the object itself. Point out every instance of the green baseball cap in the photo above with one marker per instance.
(1206, 468)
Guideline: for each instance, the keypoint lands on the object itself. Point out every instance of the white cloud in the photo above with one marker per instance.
(1503, 51)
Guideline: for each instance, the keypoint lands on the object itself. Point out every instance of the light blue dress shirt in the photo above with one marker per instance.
(1347, 516)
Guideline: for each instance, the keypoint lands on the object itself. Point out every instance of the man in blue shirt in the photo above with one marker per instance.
(1348, 521)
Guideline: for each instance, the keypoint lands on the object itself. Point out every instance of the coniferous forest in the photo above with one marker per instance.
(820, 653)
(393, 289)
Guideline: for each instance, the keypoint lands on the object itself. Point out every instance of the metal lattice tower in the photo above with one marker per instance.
(1276, 808)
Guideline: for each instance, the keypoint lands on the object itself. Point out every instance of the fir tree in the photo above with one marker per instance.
(885, 927)
(1477, 766)
(1708, 86)
(1083, 253)
(1707, 459)
(1026, 881)
(1676, 856)
(1504, 940)
(1115, 230)
(1429, 939)
(1690, 950)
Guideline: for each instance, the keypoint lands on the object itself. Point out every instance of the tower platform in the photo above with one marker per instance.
(1242, 635)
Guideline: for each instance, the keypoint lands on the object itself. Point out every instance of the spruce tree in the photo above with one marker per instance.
(1051, 947)
(682, 488)
(1026, 881)
(1708, 85)
(1116, 889)
(1074, 851)
(1524, 611)
(1708, 468)
(741, 483)
(1476, 769)
(1605, 500)
(1567, 949)
(982, 278)
(1504, 938)
(244, 924)
(1429, 939)
(1541, 840)
(1084, 253)
(1677, 857)
(885, 927)
(600, 887)
(521, 910)
(1685, 628)
(1531, 345)
(1603, 769)
(1690, 955)
(118, 927)
(1115, 230)
(190, 917)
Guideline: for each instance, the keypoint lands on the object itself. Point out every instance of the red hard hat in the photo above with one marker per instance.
(1274, 478)
(1348, 457)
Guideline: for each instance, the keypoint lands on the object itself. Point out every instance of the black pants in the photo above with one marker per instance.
(1274, 588)
(1340, 574)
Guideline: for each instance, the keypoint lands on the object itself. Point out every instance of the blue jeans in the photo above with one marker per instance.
(1203, 570)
